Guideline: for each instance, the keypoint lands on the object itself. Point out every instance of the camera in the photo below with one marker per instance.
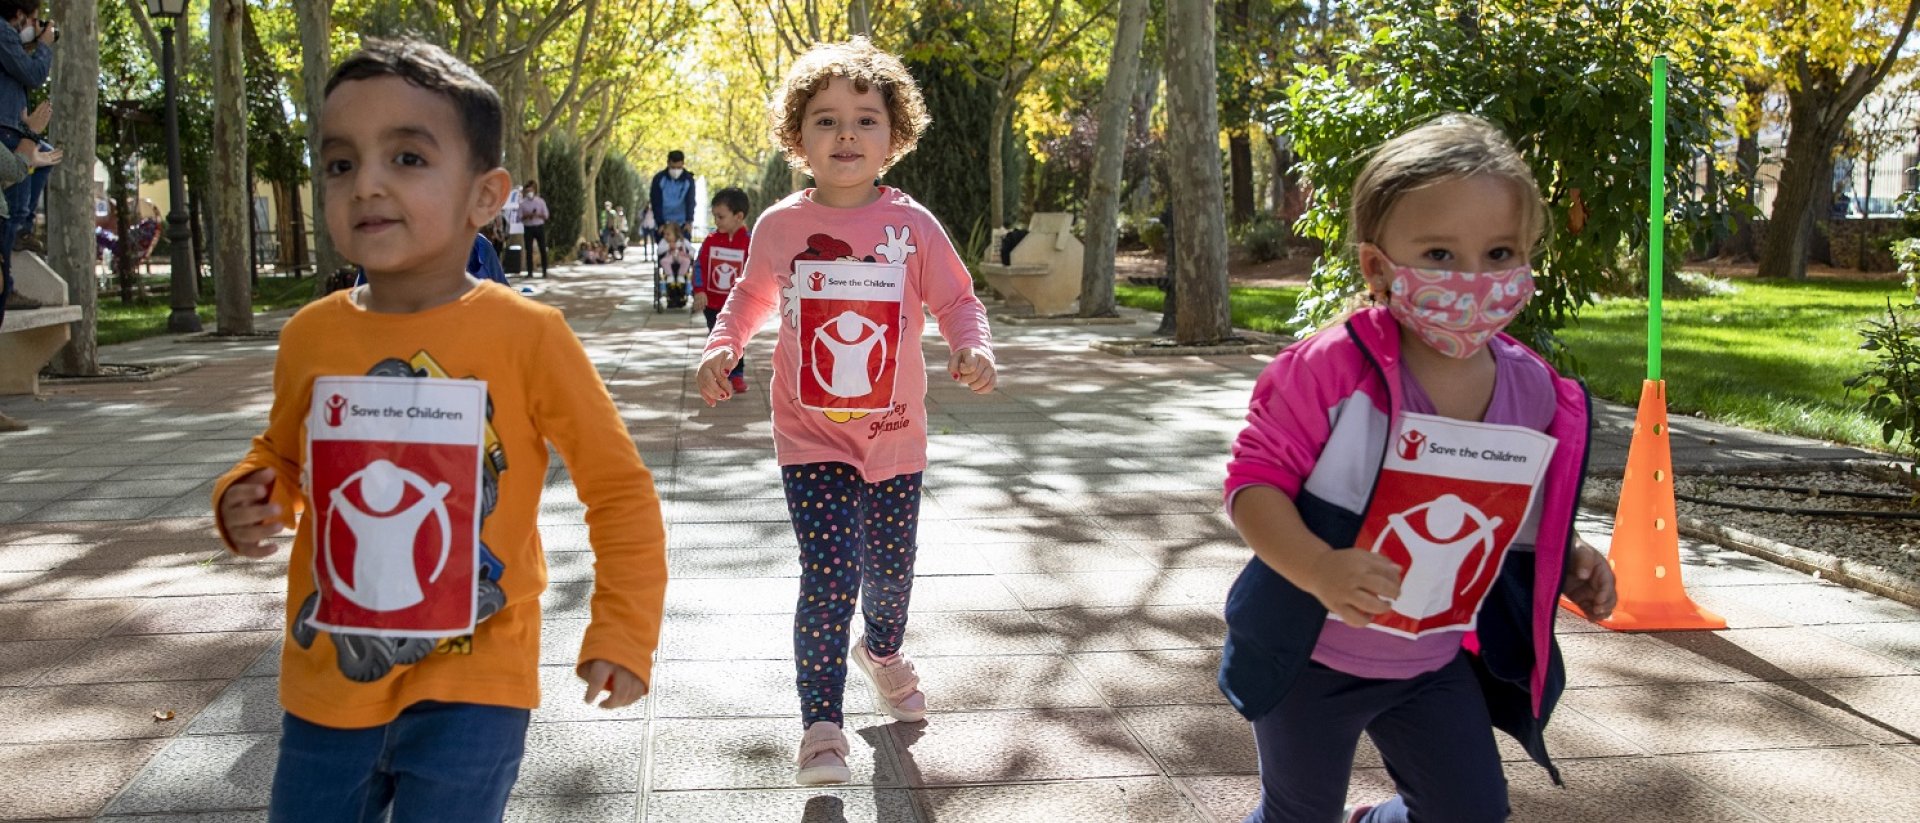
(48, 24)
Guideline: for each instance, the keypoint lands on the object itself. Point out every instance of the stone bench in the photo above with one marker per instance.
(28, 340)
(1042, 274)
(30, 337)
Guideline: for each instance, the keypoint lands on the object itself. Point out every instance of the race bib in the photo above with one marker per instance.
(1451, 498)
(726, 265)
(394, 483)
(850, 319)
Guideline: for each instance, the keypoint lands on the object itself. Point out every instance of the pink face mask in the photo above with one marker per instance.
(1456, 312)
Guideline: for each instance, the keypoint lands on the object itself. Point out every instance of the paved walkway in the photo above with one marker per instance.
(1066, 619)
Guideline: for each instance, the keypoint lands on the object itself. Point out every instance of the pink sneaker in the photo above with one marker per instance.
(739, 384)
(823, 756)
(894, 682)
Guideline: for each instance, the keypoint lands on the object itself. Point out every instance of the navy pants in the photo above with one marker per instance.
(436, 761)
(1432, 731)
(856, 542)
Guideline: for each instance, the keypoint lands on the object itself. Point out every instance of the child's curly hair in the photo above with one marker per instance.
(867, 67)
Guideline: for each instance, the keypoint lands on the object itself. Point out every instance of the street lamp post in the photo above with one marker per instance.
(179, 235)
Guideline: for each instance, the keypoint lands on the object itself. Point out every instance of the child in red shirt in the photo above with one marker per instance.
(722, 260)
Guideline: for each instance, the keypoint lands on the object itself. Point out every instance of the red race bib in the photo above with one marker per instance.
(393, 479)
(1451, 498)
(850, 319)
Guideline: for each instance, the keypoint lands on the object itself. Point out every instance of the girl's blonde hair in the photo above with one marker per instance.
(1448, 147)
(858, 62)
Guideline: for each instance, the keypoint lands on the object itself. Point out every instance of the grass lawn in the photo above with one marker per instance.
(1256, 309)
(147, 317)
(1770, 356)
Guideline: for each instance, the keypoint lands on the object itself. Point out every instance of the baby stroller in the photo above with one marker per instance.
(673, 275)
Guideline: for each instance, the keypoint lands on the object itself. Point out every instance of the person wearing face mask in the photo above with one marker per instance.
(25, 61)
(1445, 216)
(672, 194)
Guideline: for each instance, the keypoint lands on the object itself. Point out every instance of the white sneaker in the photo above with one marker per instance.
(823, 756)
(895, 683)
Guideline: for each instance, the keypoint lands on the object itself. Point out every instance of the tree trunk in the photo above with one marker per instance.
(1193, 144)
(315, 25)
(997, 161)
(1744, 246)
(76, 90)
(1109, 159)
(1240, 121)
(1801, 195)
(232, 265)
(126, 215)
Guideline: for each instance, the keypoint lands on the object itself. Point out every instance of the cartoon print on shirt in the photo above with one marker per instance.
(852, 337)
(367, 658)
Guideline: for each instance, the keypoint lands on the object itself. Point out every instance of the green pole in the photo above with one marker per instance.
(1657, 217)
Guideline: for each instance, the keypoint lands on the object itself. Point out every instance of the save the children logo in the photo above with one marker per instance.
(1447, 547)
(1410, 444)
(386, 536)
(848, 342)
(816, 281)
(1447, 507)
(336, 407)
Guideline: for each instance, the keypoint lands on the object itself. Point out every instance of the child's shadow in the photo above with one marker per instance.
(903, 735)
(824, 809)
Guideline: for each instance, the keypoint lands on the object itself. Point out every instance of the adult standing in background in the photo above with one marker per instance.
(533, 216)
(672, 195)
(25, 62)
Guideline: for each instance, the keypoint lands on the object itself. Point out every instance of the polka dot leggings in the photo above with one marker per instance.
(856, 541)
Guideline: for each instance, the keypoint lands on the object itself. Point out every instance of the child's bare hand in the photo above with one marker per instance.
(41, 158)
(699, 301)
(39, 118)
(1588, 581)
(712, 376)
(1354, 585)
(972, 369)
(250, 515)
(622, 687)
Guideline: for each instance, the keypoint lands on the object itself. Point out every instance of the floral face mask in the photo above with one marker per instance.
(1456, 312)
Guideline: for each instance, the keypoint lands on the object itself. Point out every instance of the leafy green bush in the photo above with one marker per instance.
(1906, 259)
(1154, 234)
(1892, 382)
(564, 191)
(1263, 238)
(1570, 88)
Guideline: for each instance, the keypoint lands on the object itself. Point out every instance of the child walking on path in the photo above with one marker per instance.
(850, 266)
(409, 433)
(722, 260)
(1400, 588)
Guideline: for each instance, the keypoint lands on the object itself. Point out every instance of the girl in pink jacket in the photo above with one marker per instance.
(849, 267)
(1407, 481)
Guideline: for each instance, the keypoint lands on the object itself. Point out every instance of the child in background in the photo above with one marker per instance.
(675, 266)
(723, 258)
(850, 266)
(1441, 213)
(411, 420)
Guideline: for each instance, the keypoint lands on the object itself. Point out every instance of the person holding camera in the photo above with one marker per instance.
(25, 61)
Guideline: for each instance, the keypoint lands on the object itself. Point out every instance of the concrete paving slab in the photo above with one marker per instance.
(204, 773)
(53, 780)
(754, 753)
(1700, 717)
(97, 712)
(812, 805)
(160, 657)
(1018, 746)
(1814, 785)
(1126, 800)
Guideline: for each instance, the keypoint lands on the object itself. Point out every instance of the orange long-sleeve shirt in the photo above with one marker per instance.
(541, 389)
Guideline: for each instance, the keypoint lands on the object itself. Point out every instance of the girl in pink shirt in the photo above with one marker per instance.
(849, 269)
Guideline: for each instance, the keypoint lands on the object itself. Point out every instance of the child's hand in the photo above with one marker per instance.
(1588, 581)
(1353, 584)
(250, 515)
(712, 377)
(622, 687)
(972, 369)
(699, 301)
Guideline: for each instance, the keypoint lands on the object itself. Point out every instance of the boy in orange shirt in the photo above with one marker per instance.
(409, 432)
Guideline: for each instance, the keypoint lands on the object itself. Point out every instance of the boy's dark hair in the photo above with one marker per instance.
(734, 199)
(9, 8)
(676, 156)
(430, 67)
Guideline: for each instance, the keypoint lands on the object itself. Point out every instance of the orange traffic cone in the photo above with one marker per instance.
(1646, 544)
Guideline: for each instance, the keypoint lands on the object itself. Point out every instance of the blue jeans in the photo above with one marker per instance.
(23, 200)
(1432, 731)
(436, 761)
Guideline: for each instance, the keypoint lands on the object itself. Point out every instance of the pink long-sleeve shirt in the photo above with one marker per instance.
(824, 406)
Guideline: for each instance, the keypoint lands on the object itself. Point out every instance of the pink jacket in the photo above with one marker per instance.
(893, 229)
(1317, 430)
